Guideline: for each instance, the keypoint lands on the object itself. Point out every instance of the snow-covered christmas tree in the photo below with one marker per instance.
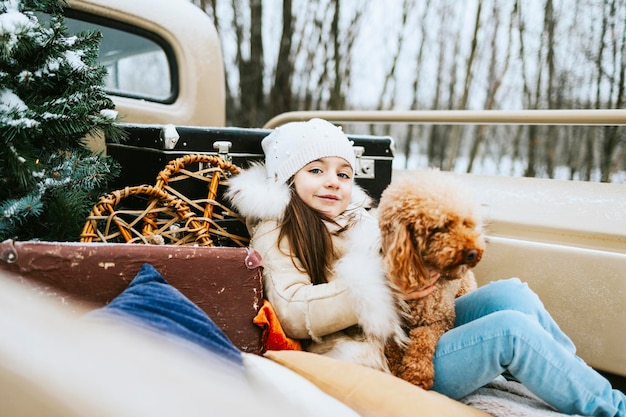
(51, 97)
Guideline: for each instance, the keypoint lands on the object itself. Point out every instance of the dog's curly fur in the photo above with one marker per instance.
(428, 224)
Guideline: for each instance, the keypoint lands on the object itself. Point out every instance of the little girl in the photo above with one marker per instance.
(320, 247)
(323, 275)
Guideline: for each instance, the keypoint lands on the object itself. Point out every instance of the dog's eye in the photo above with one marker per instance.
(469, 224)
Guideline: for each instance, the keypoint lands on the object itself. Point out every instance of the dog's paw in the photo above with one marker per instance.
(425, 383)
(420, 374)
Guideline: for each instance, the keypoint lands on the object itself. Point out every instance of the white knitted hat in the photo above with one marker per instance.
(293, 145)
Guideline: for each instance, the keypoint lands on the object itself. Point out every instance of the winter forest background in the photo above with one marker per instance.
(283, 55)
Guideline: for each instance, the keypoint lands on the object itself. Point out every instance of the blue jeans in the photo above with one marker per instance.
(503, 326)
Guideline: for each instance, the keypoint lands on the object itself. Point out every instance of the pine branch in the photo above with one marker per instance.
(17, 212)
(51, 97)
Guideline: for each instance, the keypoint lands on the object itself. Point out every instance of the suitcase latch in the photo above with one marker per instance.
(364, 166)
(223, 148)
(169, 136)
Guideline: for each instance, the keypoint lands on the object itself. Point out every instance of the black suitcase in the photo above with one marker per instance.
(148, 148)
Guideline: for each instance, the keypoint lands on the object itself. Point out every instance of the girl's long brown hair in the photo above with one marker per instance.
(309, 239)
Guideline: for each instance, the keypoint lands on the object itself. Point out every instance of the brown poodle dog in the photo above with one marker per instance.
(431, 237)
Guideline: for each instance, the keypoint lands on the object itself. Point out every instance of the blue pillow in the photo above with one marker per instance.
(153, 302)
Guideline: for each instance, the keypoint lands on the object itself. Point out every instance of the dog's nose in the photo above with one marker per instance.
(470, 256)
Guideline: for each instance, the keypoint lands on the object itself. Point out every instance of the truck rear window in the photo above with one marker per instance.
(138, 65)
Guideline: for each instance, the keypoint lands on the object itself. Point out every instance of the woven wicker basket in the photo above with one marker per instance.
(182, 208)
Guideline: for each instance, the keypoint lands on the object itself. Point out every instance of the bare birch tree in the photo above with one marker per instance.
(438, 137)
(611, 137)
(325, 51)
(249, 60)
(281, 93)
(532, 98)
(495, 75)
(549, 23)
(386, 99)
(350, 36)
(455, 139)
(419, 62)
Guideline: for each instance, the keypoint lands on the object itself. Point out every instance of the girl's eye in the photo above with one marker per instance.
(344, 175)
(315, 171)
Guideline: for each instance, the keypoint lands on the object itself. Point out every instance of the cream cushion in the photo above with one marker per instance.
(369, 392)
(272, 380)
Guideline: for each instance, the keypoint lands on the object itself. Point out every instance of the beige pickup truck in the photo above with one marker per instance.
(567, 240)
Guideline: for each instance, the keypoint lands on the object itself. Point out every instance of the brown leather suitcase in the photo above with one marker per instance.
(225, 282)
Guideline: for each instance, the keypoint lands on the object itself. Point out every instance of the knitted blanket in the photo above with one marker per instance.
(502, 398)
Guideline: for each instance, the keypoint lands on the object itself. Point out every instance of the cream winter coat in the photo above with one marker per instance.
(352, 315)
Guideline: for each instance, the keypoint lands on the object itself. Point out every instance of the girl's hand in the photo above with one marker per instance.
(424, 291)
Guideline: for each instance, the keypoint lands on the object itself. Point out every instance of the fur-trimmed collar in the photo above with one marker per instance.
(255, 196)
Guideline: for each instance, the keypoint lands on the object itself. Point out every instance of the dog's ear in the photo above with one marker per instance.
(402, 258)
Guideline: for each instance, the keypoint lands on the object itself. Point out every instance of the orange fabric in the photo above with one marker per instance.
(273, 336)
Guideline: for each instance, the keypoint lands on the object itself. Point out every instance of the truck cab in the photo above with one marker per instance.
(164, 59)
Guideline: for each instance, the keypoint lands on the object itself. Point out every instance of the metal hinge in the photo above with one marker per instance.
(365, 167)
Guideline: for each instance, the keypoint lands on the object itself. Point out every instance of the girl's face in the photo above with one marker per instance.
(325, 185)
